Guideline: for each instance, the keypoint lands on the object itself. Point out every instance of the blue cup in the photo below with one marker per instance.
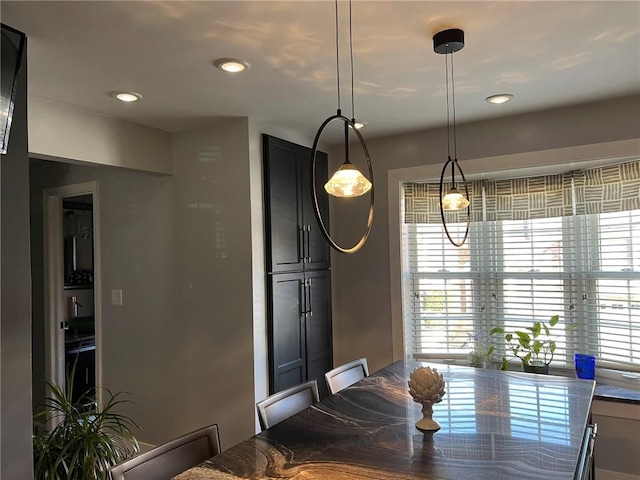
(585, 366)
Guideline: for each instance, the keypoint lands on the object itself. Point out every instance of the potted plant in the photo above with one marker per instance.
(86, 441)
(534, 345)
(481, 347)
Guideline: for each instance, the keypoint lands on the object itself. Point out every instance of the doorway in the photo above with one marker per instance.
(72, 289)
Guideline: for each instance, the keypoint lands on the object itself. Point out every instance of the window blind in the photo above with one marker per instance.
(612, 294)
(442, 304)
(552, 245)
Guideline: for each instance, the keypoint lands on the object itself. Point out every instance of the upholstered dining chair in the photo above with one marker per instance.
(174, 457)
(285, 403)
(346, 375)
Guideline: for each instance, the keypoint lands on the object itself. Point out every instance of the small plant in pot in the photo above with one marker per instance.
(85, 442)
(481, 347)
(534, 346)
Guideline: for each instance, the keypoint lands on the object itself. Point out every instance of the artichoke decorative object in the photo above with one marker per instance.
(426, 386)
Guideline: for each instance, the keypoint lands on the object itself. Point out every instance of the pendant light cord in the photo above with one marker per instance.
(453, 102)
(446, 82)
(353, 107)
(451, 106)
(337, 57)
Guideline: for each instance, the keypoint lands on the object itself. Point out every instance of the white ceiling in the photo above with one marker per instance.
(546, 53)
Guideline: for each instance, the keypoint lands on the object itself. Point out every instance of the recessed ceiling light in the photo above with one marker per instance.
(231, 65)
(500, 98)
(126, 96)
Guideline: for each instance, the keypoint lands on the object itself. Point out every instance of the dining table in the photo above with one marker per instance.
(494, 425)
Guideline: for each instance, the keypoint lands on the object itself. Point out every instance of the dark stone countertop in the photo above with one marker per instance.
(612, 393)
(494, 424)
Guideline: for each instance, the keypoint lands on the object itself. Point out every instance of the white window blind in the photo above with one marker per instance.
(612, 303)
(511, 272)
(442, 300)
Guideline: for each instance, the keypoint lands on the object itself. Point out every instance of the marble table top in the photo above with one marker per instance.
(495, 424)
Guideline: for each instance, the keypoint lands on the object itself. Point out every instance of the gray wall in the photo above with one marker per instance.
(15, 312)
(54, 132)
(359, 279)
(179, 247)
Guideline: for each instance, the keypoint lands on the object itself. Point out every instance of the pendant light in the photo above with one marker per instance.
(447, 43)
(348, 181)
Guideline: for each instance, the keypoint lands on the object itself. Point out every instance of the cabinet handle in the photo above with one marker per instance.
(592, 440)
(308, 246)
(302, 297)
(301, 244)
(309, 311)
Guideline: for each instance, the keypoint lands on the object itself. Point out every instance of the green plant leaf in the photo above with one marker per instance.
(554, 320)
(537, 345)
(86, 443)
(535, 330)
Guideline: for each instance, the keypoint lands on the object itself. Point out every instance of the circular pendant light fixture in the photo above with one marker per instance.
(348, 181)
(447, 43)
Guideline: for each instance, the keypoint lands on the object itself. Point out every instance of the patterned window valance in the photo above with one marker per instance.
(614, 188)
(609, 189)
(422, 203)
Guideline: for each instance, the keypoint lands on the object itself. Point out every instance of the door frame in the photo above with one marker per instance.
(54, 306)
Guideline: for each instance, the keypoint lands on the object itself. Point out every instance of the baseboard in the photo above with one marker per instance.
(145, 447)
(609, 475)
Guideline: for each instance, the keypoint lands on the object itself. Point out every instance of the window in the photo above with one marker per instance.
(513, 271)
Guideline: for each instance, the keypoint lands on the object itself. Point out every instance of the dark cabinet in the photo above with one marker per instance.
(300, 328)
(298, 264)
(83, 359)
(294, 238)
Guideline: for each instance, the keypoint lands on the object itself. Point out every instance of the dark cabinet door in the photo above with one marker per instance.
(317, 248)
(300, 341)
(287, 366)
(318, 327)
(83, 359)
(294, 239)
(284, 163)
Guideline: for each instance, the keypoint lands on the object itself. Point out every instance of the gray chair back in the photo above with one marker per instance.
(286, 403)
(174, 457)
(345, 375)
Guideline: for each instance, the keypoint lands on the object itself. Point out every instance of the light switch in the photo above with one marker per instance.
(116, 296)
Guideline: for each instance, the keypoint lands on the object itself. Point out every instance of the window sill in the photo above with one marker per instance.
(610, 393)
(611, 385)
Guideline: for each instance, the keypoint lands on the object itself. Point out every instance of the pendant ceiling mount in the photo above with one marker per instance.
(448, 41)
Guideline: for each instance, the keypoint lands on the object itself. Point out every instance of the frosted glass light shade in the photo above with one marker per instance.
(454, 200)
(347, 182)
